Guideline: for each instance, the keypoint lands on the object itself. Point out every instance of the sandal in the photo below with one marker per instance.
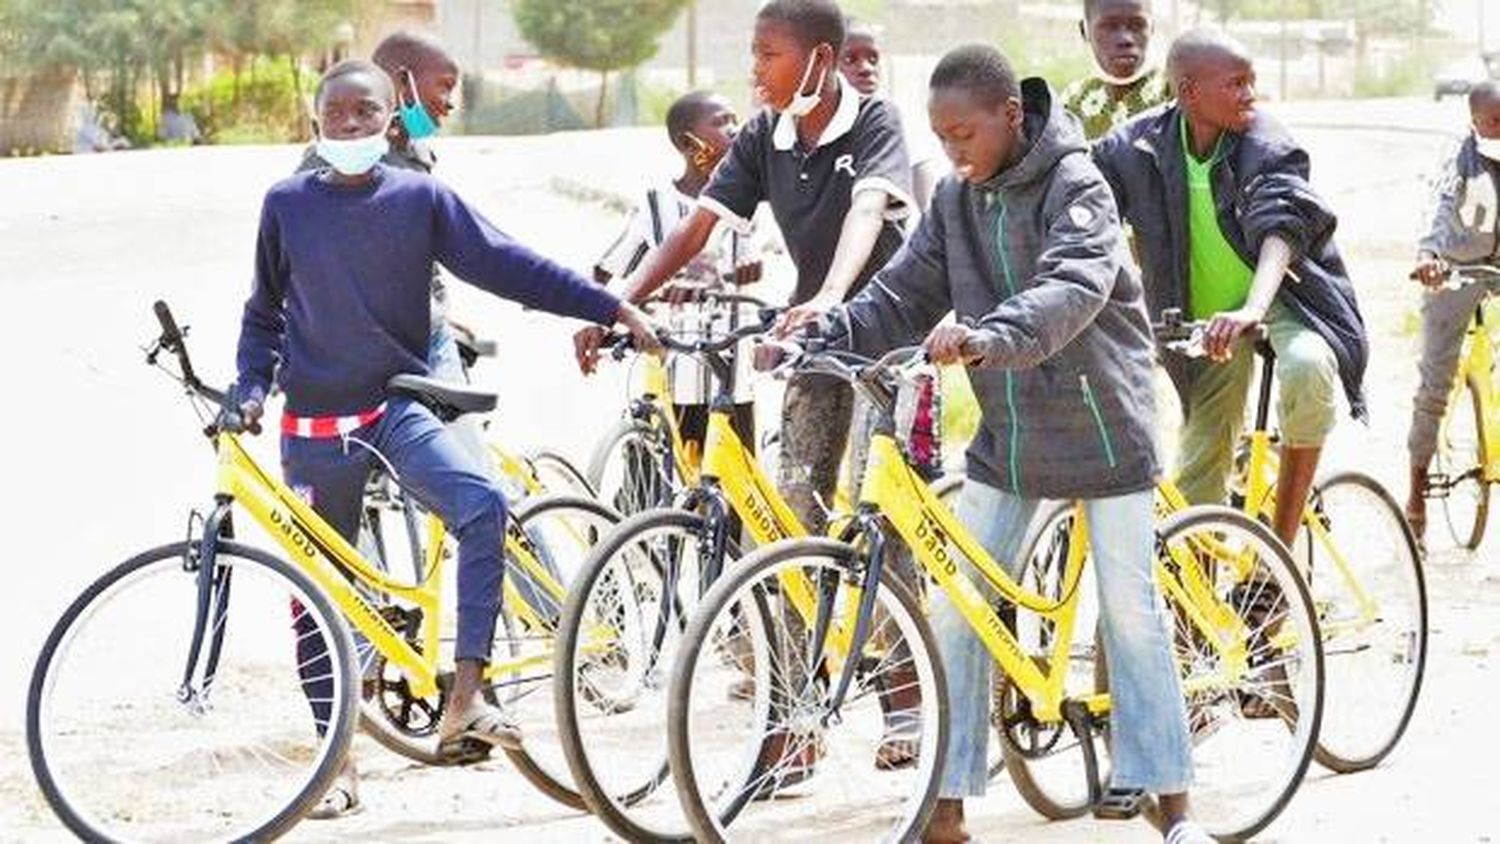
(902, 742)
(1119, 804)
(482, 724)
(340, 801)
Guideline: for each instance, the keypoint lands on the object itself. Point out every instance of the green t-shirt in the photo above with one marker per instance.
(1218, 279)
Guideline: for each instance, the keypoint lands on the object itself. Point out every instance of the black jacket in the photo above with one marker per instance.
(1261, 187)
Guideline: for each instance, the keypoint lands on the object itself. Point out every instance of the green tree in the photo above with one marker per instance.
(598, 35)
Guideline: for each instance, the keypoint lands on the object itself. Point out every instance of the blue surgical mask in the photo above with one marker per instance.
(355, 156)
(418, 122)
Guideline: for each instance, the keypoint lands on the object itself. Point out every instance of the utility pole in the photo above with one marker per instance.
(692, 43)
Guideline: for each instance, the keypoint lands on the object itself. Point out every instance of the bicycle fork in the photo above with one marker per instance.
(212, 605)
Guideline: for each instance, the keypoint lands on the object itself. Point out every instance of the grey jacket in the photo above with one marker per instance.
(1464, 227)
(1037, 260)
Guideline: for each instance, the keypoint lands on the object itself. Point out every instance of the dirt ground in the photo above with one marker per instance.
(102, 458)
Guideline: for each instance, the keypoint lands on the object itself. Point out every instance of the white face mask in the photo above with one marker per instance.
(803, 103)
(354, 156)
(1488, 147)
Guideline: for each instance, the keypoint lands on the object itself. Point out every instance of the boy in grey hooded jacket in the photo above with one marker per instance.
(1464, 230)
(1023, 242)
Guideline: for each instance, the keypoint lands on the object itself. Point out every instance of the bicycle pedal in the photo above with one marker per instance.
(1119, 804)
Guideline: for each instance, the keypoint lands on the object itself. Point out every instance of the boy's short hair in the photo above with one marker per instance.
(351, 67)
(1485, 91)
(1195, 46)
(861, 28)
(408, 49)
(685, 111)
(979, 69)
(1091, 6)
(813, 21)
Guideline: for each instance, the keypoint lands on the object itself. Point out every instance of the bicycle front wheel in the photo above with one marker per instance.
(629, 470)
(558, 475)
(1367, 583)
(1251, 661)
(123, 749)
(620, 633)
(1462, 453)
(736, 758)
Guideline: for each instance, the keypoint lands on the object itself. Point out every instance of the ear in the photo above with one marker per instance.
(1015, 114)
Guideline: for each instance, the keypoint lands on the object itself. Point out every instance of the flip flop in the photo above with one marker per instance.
(484, 724)
(901, 744)
(340, 801)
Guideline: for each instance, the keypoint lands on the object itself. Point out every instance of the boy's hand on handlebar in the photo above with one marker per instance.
(586, 343)
(642, 331)
(792, 319)
(1431, 271)
(1227, 327)
(241, 417)
(748, 273)
(946, 344)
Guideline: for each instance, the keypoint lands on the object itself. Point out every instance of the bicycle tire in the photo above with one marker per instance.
(1403, 615)
(1468, 453)
(613, 805)
(332, 745)
(628, 468)
(903, 611)
(570, 481)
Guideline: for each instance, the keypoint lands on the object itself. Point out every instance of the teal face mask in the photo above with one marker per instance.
(418, 123)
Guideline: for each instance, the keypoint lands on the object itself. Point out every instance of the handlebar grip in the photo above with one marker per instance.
(169, 330)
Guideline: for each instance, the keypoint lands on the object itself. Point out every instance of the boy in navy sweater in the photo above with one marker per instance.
(341, 303)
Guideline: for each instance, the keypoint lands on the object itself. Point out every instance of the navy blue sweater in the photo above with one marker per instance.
(342, 282)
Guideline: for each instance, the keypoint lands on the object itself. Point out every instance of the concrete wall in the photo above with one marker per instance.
(36, 112)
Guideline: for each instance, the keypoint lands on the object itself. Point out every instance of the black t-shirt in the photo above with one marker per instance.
(863, 148)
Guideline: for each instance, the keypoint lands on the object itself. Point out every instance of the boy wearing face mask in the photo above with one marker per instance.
(701, 126)
(1125, 84)
(340, 304)
(1464, 231)
(833, 167)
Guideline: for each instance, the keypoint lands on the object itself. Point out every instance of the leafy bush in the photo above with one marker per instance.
(270, 104)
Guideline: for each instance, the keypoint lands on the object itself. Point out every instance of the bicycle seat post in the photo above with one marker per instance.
(1267, 374)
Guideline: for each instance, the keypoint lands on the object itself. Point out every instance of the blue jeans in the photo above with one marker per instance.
(1148, 725)
(435, 469)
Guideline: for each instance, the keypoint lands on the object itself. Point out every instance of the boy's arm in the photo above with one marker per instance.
(903, 301)
(1075, 276)
(480, 254)
(1271, 267)
(264, 319)
(881, 187)
(686, 240)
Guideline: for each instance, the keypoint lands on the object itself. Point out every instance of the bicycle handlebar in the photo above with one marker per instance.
(1459, 276)
(1185, 337)
(620, 344)
(173, 339)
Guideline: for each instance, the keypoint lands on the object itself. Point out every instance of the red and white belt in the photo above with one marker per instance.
(324, 427)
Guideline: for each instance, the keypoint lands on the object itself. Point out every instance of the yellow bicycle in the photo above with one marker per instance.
(1467, 462)
(207, 689)
(629, 604)
(1253, 636)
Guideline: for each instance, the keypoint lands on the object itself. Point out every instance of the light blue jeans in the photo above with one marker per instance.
(1148, 726)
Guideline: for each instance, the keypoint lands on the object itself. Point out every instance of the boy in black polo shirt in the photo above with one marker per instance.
(834, 168)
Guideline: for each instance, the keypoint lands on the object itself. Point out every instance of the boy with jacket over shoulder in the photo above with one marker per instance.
(1023, 243)
(1229, 230)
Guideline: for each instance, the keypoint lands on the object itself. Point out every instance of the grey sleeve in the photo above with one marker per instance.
(904, 300)
(1107, 152)
(1447, 197)
(1075, 275)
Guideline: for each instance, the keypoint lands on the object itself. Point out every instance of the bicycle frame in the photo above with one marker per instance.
(1478, 367)
(312, 545)
(933, 533)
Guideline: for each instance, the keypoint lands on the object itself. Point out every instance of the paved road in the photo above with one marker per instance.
(102, 457)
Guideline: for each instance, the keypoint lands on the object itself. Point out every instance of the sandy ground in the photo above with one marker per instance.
(102, 458)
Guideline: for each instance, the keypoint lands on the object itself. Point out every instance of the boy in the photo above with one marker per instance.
(1223, 213)
(1463, 231)
(701, 126)
(860, 62)
(341, 304)
(1055, 306)
(834, 168)
(1119, 33)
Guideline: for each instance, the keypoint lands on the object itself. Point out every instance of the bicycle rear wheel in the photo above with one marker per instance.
(783, 760)
(558, 475)
(1254, 697)
(123, 750)
(1462, 453)
(1367, 583)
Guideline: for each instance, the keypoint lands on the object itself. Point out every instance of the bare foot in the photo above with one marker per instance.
(947, 824)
